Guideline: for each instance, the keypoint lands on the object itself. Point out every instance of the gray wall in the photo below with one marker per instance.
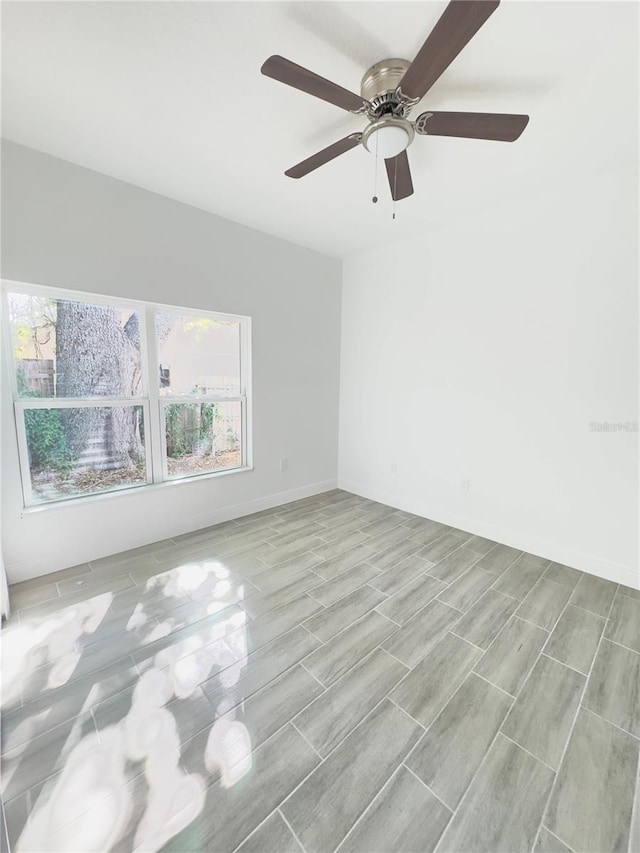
(66, 226)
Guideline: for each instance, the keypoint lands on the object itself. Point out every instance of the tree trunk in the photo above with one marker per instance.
(97, 357)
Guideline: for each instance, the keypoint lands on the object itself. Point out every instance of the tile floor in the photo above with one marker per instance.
(330, 675)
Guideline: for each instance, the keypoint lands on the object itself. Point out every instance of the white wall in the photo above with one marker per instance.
(66, 226)
(483, 351)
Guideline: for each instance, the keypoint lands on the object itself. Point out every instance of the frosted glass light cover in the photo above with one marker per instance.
(388, 141)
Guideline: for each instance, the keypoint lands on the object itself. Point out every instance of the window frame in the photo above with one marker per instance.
(153, 404)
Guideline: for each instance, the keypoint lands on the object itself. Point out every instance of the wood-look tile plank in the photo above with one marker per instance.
(484, 621)
(266, 518)
(272, 836)
(592, 801)
(453, 565)
(631, 592)
(271, 580)
(575, 638)
(594, 594)
(383, 525)
(544, 603)
(288, 552)
(328, 551)
(521, 576)
(562, 574)
(335, 618)
(428, 536)
(42, 756)
(410, 599)
(339, 532)
(499, 559)
(346, 703)
(335, 658)
(399, 575)
(384, 541)
(510, 658)
(418, 523)
(436, 549)
(334, 566)
(266, 628)
(101, 587)
(261, 715)
(263, 602)
(22, 597)
(53, 707)
(541, 718)
(465, 591)
(548, 843)
(393, 554)
(229, 687)
(291, 529)
(503, 807)
(448, 756)
(230, 813)
(613, 690)
(51, 577)
(404, 816)
(624, 622)
(121, 562)
(326, 806)
(420, 634)
(333, 590)
(245, 540)
(480, 545)
(432, 682)
(16, 815)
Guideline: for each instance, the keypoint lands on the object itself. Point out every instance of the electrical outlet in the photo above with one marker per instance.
(394, 467)
(465, 484)
(284, 464)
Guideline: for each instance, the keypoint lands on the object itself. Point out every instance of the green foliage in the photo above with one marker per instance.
(188, 427)
(46, 440)
(207, 414)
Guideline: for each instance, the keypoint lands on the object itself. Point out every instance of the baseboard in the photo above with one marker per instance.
(515, 539)
(45, 565)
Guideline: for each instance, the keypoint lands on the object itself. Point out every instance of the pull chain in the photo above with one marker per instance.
(375, 175)
(395, 184)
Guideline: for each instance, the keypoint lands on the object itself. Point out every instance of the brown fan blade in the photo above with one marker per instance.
(457, 25)
(499, 126)
(399, 175)
(324, 156)
(279, 68)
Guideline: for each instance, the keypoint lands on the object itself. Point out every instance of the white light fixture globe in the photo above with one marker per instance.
(388, 137)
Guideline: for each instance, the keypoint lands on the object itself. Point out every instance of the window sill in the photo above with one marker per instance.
(136, 490)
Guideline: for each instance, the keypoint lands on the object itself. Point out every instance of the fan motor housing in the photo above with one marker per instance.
(380, 82)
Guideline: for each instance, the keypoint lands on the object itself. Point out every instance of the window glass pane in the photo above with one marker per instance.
(197, 354)
(84, 451)
(65, 348)
(203, 437)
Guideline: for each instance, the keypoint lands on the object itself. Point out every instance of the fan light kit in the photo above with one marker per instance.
(388, 137)
(390, 89)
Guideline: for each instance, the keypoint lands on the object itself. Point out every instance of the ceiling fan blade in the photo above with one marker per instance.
(279, 68)
(324, 156)
(457, 25)
(399, 175)
(499, 126)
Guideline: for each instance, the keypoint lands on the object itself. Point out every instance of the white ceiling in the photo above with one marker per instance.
(169, 96)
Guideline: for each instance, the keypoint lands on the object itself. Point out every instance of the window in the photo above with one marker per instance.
(112, 395)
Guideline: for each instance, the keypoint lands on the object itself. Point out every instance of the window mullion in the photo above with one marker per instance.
(150, 357)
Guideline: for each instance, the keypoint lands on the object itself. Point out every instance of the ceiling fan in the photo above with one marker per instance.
(391, 88)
